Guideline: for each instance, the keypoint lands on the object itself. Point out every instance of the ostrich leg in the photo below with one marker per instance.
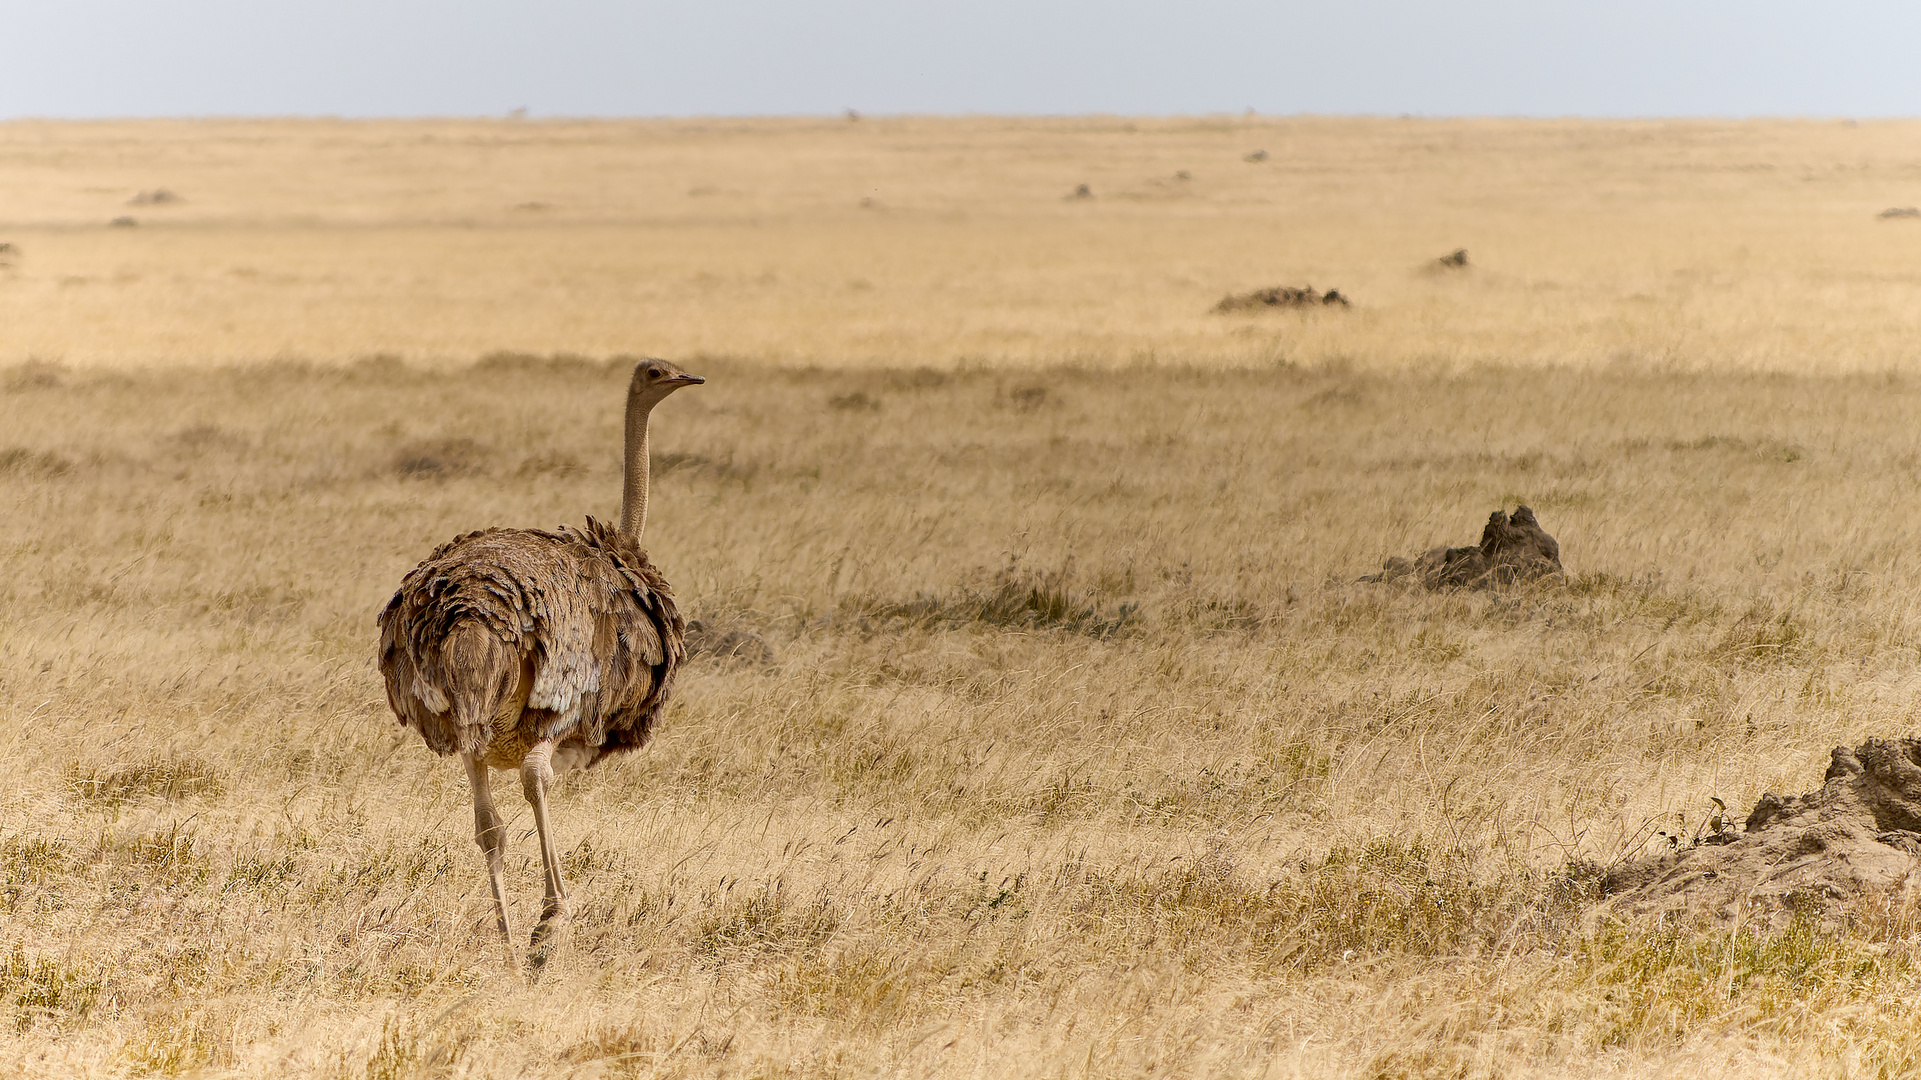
(491, 834)
(536, 773)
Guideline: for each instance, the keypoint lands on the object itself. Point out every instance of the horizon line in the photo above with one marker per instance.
(854, 115)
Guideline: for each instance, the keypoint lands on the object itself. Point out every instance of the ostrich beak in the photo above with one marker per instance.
(684, 379)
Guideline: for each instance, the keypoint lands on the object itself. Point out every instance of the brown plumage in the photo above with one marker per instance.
(506, 637)
(532, 650)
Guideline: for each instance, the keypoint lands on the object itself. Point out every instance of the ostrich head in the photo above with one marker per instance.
(655, 379)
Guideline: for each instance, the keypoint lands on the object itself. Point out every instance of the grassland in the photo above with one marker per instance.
(1699, 244)
(1085, 754)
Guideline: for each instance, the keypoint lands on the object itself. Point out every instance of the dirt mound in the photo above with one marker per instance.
(727, 644)
(1511, 549)
(1856, 837)
(1282, 296)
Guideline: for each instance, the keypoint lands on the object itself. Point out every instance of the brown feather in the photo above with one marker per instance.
(505, 637)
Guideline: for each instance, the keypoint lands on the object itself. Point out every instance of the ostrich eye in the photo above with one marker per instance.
(653, 373)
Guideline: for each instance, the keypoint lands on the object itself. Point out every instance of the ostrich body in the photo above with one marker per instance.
(538, 651)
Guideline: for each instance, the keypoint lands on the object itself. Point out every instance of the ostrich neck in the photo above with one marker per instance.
(633, 502)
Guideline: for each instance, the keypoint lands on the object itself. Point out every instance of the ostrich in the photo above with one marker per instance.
(538, 651)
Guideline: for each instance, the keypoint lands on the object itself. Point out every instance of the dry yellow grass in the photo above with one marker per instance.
(1085, 754)
(1692, 243)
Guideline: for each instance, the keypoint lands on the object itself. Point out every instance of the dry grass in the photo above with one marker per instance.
(1085, 755)
(900, 242)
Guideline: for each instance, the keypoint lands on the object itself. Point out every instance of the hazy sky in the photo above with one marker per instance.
(93, 58)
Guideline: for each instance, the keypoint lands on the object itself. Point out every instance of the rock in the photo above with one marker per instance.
(1512, 549)
(1900, 212)
(1854, 838)
(1455, 261)
(1517, 548)
(1452, 568)
(1281, 296)
(1255, 158)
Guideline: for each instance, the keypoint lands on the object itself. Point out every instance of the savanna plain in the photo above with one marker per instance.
(1082, 751)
